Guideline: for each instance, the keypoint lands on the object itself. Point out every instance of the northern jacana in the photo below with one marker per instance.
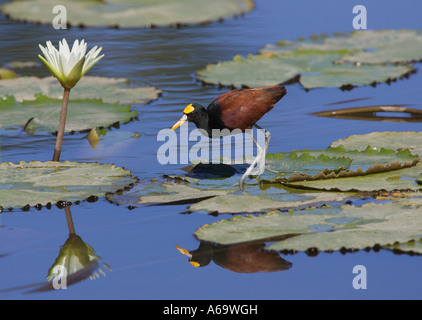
(236, 109)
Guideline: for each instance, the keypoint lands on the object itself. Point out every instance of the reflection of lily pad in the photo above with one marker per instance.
(324, 229)
(44, 113)
(110, 90)
(35, 182)
(129, 13)
(330, 62)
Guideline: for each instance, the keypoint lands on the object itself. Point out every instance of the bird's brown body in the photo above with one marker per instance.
(242, 108)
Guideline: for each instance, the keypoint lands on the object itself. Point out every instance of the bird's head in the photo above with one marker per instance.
(193, 112)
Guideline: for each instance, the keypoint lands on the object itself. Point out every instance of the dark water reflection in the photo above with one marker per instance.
(140, 244)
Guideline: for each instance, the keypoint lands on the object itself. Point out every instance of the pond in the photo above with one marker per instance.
(137, 245)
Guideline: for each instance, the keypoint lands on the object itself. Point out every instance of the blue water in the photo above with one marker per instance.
(139, 244)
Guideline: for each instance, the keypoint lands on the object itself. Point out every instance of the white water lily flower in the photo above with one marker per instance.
(69, 66)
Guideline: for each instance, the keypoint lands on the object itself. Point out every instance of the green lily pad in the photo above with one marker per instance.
(44, 113)
(377, 140)
(7, 74)
(342, 61)
(368, 47)
(357, 163)
(21, 64)
(129, 13)
(29, 184)
(305, 161)
(158, 193)
(245, 203)
(109, 90)
(315, 69)
(325, 228)
(394, 180)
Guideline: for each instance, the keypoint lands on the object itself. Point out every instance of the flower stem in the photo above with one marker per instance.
(60, 132)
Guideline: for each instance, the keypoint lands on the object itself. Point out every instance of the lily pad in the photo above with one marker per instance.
(394, 180)
(313, 68)
(235, 203)
(158, 193)
(389, 139)
(342, 61)
(129, 13)
(396, 113)
(44, 113)
(109, 90)
(324, 229)
(29, 184)
(7, 74)
(305, 161)
(360, 163)
(368, 47)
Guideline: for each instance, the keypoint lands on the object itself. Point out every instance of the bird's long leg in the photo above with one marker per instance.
(257, 167)
(261, 161)
(251, 167)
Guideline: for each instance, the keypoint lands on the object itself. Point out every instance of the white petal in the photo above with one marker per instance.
(64, 49)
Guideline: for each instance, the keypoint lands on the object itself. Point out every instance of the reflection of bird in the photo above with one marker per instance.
(238, 109)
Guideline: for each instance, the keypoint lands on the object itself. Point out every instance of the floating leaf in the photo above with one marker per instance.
(369, 46)
(314, 69)
(397, 113)
(7, 74)
(325, 228)
(28, 184)
(394, 180)
(305, 161)
(235, 203)
(129, 13)
(363, 163)
(377, 140)
(110, 90)
(44, 113)
(156, 193)
(342, 61)
(21, 64)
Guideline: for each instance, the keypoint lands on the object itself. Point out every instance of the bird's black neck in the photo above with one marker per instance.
(201, 119)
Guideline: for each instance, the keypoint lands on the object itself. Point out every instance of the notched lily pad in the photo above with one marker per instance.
(341, 227)
(109, 90)
(360, 163)
(34, 183)
(44, 113)
(129, 13)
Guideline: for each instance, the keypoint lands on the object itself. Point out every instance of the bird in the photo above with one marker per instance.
(237, 109)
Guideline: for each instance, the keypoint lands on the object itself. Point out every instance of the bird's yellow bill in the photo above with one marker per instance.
(180, 122)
